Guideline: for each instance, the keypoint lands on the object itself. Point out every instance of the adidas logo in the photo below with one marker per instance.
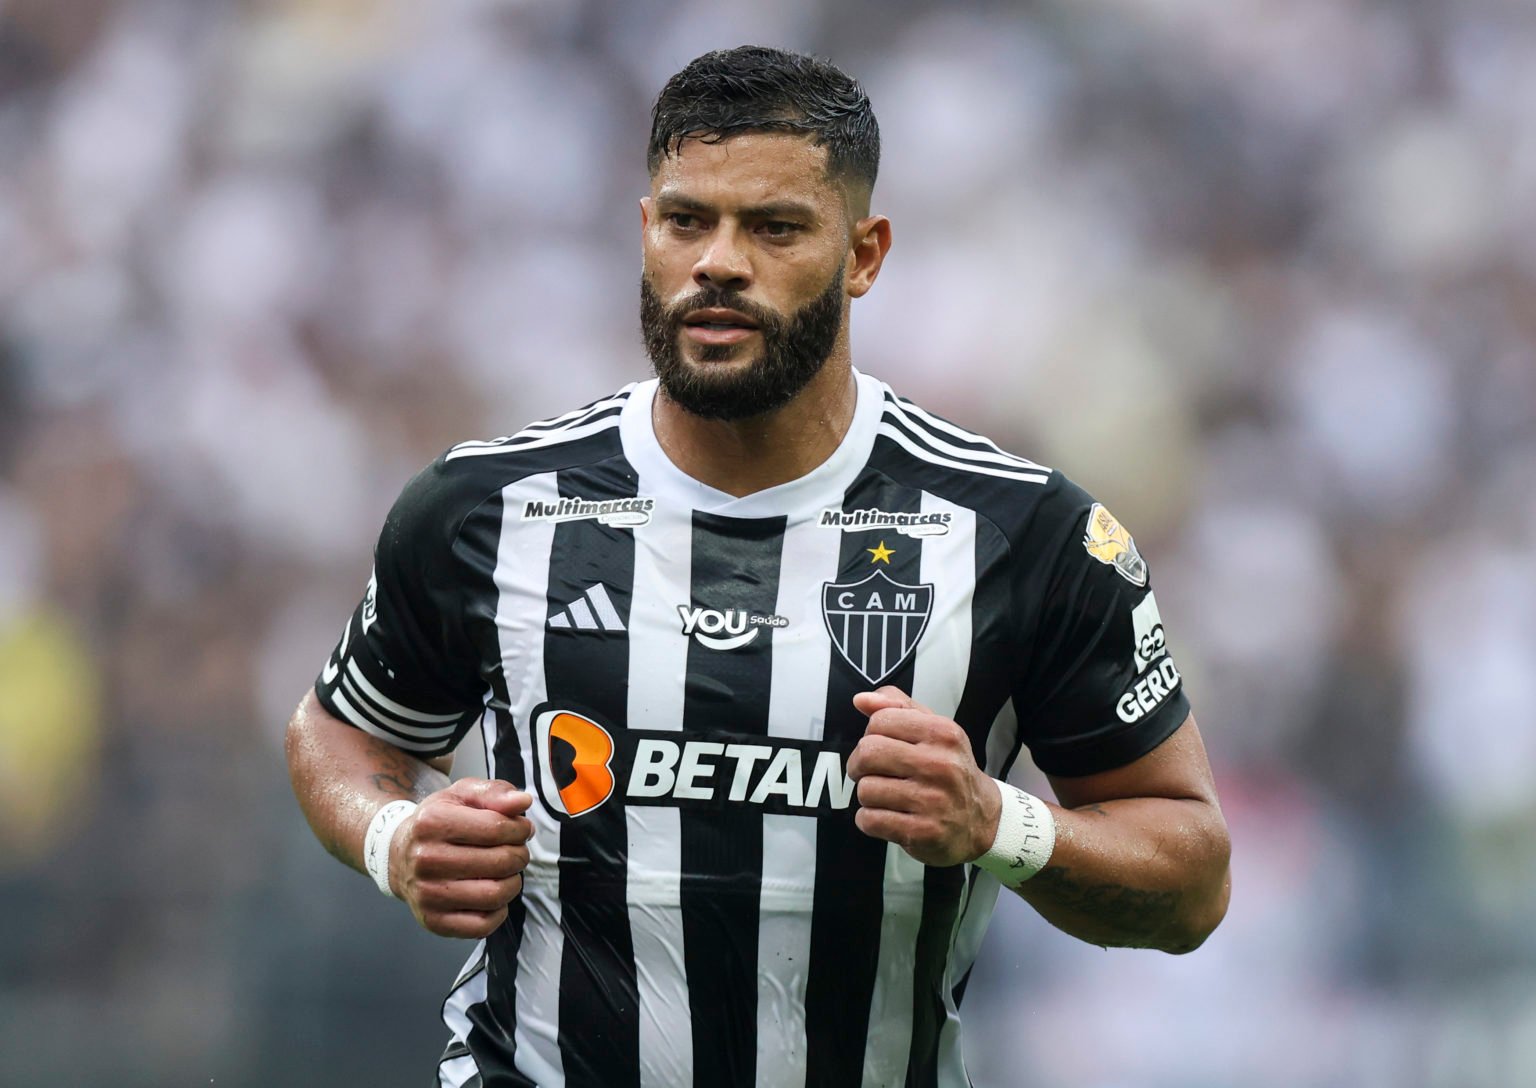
(592, 611)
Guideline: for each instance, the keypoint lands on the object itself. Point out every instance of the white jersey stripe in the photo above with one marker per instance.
(522, 583)
(940, 670)
(951, 1063)
(1001, 738)
(438, 733)
(554, 423)
(904, 440)
(976, 911)
(960, 453)
(918, 415)
(797, 708)
(469, 990)
(398, 709)
(658, 664)
(363, 722)
(889, 1039)
(554, 438)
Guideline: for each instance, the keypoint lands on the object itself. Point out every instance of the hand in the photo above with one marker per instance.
(918, 783)
(457, 861)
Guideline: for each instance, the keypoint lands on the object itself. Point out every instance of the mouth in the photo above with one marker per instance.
(718, 326)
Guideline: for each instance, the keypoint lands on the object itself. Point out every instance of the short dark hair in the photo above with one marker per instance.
(755, 88)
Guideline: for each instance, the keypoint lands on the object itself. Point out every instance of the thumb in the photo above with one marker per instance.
(888, 697)
(492, 794)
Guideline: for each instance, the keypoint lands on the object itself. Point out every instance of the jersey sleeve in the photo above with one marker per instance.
(1099, 687)
(404, 670)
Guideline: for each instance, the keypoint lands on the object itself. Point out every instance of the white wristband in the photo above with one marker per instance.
(381, 832)
(1026, 835)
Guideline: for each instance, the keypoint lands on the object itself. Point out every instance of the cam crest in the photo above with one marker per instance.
(876, 622)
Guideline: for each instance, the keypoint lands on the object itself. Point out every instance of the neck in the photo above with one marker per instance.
(743, 456)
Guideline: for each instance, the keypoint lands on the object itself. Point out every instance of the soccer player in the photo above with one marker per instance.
(754, 645)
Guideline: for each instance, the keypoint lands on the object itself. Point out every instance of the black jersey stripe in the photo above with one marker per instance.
(946, 890)
(489, 1039)
(735, 564)
(493, 1035)
(493, 1022)
(598, 1013)
(942, 892)
(948, 909)
(850, 866)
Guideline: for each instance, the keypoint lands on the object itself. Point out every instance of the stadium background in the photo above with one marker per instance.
(1260, 274)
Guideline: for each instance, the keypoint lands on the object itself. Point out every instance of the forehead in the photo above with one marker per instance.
(749, 168)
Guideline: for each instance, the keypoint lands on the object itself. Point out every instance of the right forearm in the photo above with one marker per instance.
(342, 775)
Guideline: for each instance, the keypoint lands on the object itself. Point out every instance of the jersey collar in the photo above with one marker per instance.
(804, 497)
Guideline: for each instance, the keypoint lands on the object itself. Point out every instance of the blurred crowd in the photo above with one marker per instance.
(1261, 275)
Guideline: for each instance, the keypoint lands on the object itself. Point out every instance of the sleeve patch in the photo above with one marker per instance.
(1109, 542)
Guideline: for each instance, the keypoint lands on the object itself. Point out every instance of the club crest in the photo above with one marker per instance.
(876, 622)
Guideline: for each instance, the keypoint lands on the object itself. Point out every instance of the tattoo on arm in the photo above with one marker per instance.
(1138, 915)
(400, 775)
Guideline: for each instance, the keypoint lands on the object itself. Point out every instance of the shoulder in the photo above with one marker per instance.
(1020, 496)
(435, 503)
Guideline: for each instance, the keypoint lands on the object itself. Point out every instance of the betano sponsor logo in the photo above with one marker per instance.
(787, 778)
(624, 513)
(725, 629)
(581, 764)
(935, 523)
(574, 765)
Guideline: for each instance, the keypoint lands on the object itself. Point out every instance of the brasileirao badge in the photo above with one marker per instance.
(876, 622)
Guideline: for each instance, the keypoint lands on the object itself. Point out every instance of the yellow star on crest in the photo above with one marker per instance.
(882, 554)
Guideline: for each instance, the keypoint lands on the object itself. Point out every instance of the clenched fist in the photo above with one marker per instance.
(458, 859)
(918, 783)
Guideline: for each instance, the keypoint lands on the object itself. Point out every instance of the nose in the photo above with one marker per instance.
(723, 264)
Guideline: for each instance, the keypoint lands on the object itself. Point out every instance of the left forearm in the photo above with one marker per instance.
(1136, 873)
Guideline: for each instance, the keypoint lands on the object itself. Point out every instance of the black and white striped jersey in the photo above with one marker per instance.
(670, 670)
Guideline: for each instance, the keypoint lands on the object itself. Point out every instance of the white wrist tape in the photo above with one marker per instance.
(381, 832)
(1026, 835)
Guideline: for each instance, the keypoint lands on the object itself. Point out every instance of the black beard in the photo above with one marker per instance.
(795, 348)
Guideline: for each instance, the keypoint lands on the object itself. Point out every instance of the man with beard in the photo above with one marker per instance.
(754, 645)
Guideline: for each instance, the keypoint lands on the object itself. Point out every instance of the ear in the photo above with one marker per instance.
(645, 212)
(869, 242)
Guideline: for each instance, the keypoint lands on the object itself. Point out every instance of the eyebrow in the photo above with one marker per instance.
(774, 209)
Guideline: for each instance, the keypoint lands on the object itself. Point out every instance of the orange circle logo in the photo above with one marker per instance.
(574, 756)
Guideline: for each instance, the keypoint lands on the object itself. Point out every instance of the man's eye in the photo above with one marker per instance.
(682, 220)
(779, 228)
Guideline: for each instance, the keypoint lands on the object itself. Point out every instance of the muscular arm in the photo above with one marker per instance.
(342, 775)
(1141, 852)
(457, 860)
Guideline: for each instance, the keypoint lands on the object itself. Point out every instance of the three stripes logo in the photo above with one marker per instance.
(593, 611)
(573, 771)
